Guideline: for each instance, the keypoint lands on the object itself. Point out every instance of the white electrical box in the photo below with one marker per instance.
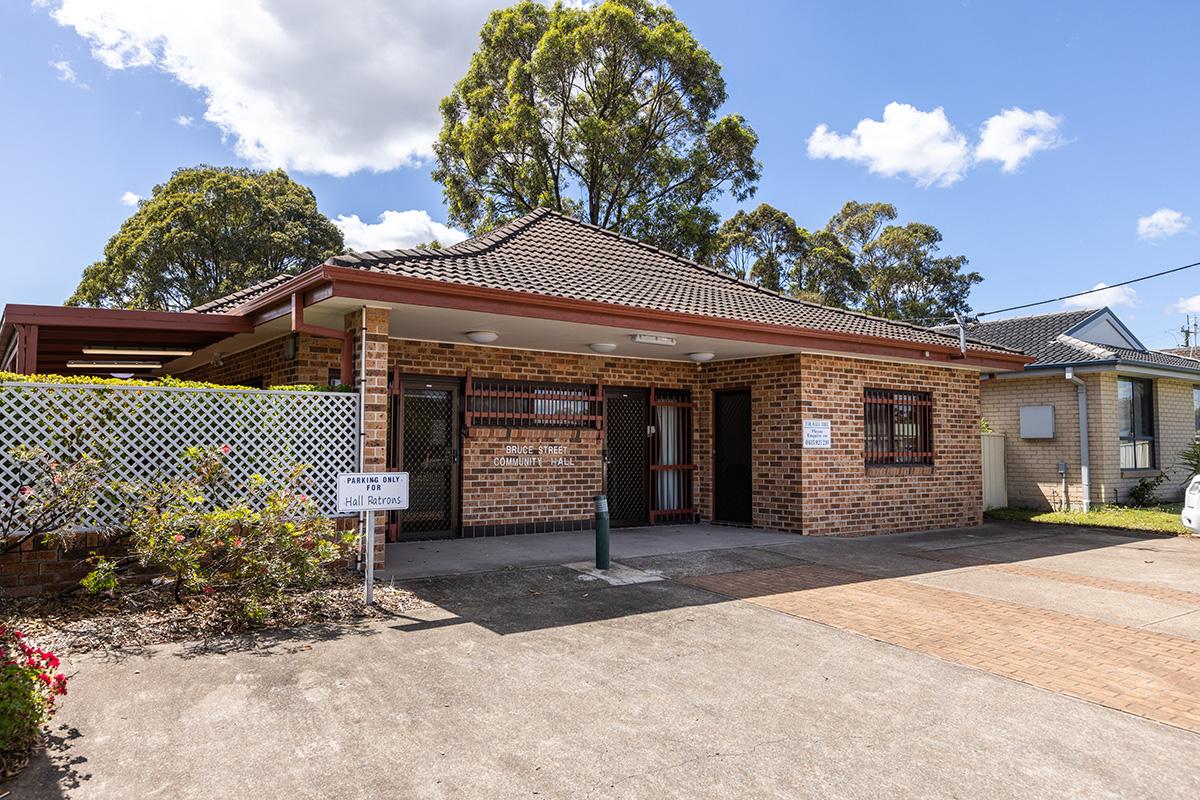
(1037, 422)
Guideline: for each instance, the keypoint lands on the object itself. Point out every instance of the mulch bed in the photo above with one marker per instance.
(78, 623)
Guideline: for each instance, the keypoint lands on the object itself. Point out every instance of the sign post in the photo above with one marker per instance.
(366, 493)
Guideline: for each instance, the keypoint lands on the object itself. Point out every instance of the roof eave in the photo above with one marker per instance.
(350, 282)
(1113, 363)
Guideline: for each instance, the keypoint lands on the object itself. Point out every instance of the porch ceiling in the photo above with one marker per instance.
(428, 323)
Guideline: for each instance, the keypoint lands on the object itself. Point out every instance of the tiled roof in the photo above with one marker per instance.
(1046, 337)
(231, 301)
(552, 254)
(1187, 352)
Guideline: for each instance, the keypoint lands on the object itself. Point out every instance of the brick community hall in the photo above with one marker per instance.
(518, 374)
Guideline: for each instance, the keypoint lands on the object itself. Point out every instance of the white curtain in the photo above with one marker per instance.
(668, 482)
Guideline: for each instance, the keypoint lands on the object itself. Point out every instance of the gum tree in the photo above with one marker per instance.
(207, 232)
(607, 113)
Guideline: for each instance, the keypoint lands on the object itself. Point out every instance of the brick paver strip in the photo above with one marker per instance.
(1150, 674)
(1150, 590)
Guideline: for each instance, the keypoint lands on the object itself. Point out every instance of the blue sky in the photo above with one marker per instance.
(344, 95)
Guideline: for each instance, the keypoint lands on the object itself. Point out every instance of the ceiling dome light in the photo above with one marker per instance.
(701, 357)
(602, 347)
(482, 337)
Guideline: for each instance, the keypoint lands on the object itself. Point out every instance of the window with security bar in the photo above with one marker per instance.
(898, 426)
(530, 404)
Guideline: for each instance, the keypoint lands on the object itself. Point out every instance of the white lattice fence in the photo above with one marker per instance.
(141, 432)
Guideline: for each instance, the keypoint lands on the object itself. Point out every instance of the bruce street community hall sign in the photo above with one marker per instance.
(528, 455)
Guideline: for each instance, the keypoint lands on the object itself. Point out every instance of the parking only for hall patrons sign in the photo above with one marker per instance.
(372, 491)
(818, 434)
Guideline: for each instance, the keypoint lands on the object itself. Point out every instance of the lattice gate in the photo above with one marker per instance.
(141, 432)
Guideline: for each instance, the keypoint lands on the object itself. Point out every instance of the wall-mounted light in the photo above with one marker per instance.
(482, 337)
(700, 358)
(602, 347)
(653, 338)
(114, 364)
(135, 352)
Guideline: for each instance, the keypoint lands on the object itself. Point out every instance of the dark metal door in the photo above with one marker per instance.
(627, 445)
(427, 412)
(732, 479)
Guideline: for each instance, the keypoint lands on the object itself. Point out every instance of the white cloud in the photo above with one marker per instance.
(66, 73)
(908, 141)
(1014, 135)
(395, 230)
(1188, 305)
(925, 146)
(1109, 296)
(183, 121)
(130, 199)
(313, 86)
(1162, 223)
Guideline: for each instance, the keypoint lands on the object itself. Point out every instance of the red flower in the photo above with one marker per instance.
(25, 491)
(209, 590)
(303, 498)
(239, 542)
(179, 537)
(226, 449)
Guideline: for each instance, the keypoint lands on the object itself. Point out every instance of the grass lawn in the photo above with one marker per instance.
(1160, 519)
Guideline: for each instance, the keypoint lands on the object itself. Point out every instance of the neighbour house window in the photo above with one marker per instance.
(524, 404)
(1135, 402)
(899, 427)
(1196, 407)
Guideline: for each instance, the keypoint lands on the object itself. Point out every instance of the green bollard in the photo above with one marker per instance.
(601, 532)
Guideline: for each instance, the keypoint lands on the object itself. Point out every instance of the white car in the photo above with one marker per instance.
(1191, 506)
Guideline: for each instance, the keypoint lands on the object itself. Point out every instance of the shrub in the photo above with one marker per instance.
(51, 499)
(1190, 456)
(29, 685)
(984, 425)
(269, 541)
(1145, 492)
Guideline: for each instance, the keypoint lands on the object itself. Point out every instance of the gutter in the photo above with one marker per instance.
(1084, 456)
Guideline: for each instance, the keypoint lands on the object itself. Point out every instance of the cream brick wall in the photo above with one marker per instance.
(1032, 464)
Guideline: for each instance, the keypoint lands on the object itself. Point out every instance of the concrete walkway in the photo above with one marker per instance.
(460, 556)
(1006, 661)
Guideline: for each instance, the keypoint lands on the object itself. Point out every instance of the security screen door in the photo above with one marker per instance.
(427, 413)
(627, 445)
(732, 479)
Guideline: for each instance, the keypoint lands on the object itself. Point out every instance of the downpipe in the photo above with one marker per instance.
(1084, 456)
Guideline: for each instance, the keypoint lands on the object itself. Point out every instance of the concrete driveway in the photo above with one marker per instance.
(1003, 661)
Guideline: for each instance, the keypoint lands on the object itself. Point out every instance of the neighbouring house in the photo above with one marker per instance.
(520, 373)
(1140, 408)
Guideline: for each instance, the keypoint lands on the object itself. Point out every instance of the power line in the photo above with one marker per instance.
(1090, 291)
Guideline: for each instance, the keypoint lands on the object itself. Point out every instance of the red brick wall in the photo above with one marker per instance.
(269, 362)
(35, 568)
(530, 481)
(817, 492)
(844, 497)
